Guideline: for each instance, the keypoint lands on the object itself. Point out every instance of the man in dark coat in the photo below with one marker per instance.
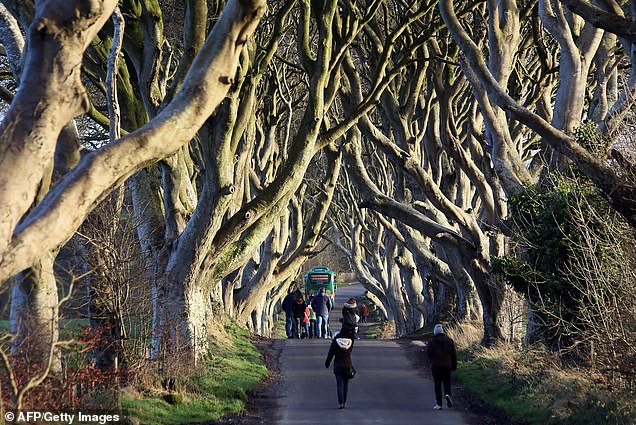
(443, 358)
(321, 305)
(288, 302)
(298, 309)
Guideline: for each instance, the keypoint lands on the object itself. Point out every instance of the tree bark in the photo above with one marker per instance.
(34, 318)
(99, 171)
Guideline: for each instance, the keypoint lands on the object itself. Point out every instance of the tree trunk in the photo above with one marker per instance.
(34, 318)
(181, 332)
(429, 301)
(491, 297)
(414, 289)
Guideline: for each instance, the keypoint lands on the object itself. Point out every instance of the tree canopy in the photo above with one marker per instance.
(246, 137)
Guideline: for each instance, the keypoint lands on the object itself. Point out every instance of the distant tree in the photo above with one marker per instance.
(581, 44)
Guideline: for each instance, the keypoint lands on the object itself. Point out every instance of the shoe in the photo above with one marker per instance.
(437, 407)
(449, 402)
(341, 406)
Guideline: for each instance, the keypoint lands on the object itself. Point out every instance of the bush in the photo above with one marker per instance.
(573, 260)
(534, 388)
(217, 388)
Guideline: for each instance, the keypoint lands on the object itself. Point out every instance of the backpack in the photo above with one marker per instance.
(349, 319)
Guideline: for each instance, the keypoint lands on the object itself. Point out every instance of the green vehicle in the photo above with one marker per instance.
(320, 277)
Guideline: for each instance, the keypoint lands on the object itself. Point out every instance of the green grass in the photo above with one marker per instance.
(489, 382)
(533, 393)
(279, 329)
(217, 389)
(373, 331)
(67, 326)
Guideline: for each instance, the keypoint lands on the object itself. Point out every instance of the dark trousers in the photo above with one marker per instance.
(297, 326)
(289, 325)
(342, 386)
(441, 375)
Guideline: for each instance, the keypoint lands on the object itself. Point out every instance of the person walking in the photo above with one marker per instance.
(321, 305)
(364, 313)
(340, 351)
(298, 310)
(349, 317)
(442, 355)
(288, 302)
(305, 332)
(312, 322)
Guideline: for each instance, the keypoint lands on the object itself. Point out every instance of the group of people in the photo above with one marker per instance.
(311, 320)
(307, 319)
(440, 351)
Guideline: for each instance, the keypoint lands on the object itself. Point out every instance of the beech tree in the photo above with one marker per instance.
(57, 38)
(454, 125)
(579, 41)
(231, 145)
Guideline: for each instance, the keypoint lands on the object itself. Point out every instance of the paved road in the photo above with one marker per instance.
(386, 389)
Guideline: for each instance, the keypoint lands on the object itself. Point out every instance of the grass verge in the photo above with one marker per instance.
(374, 328)
(533, 387)
(218, 388)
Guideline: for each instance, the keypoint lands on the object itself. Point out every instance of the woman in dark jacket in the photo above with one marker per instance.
(349, 317)
(340, 352)
(298, 309)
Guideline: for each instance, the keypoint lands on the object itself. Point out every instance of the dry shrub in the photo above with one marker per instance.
(467, 334)
(387, 330)
(602, 271)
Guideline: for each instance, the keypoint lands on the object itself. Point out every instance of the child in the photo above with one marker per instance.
(312, 322)
(364, 313)
(305, 333)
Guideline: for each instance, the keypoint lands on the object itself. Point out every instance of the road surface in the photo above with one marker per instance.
(386, 390)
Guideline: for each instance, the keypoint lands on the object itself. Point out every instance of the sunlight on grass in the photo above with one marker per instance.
(279, 329)
(373, 331)
(215, 390)
(534, 389)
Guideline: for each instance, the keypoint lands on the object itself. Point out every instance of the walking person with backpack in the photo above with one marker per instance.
(340, 351)
(442, 355)
(349, 317)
